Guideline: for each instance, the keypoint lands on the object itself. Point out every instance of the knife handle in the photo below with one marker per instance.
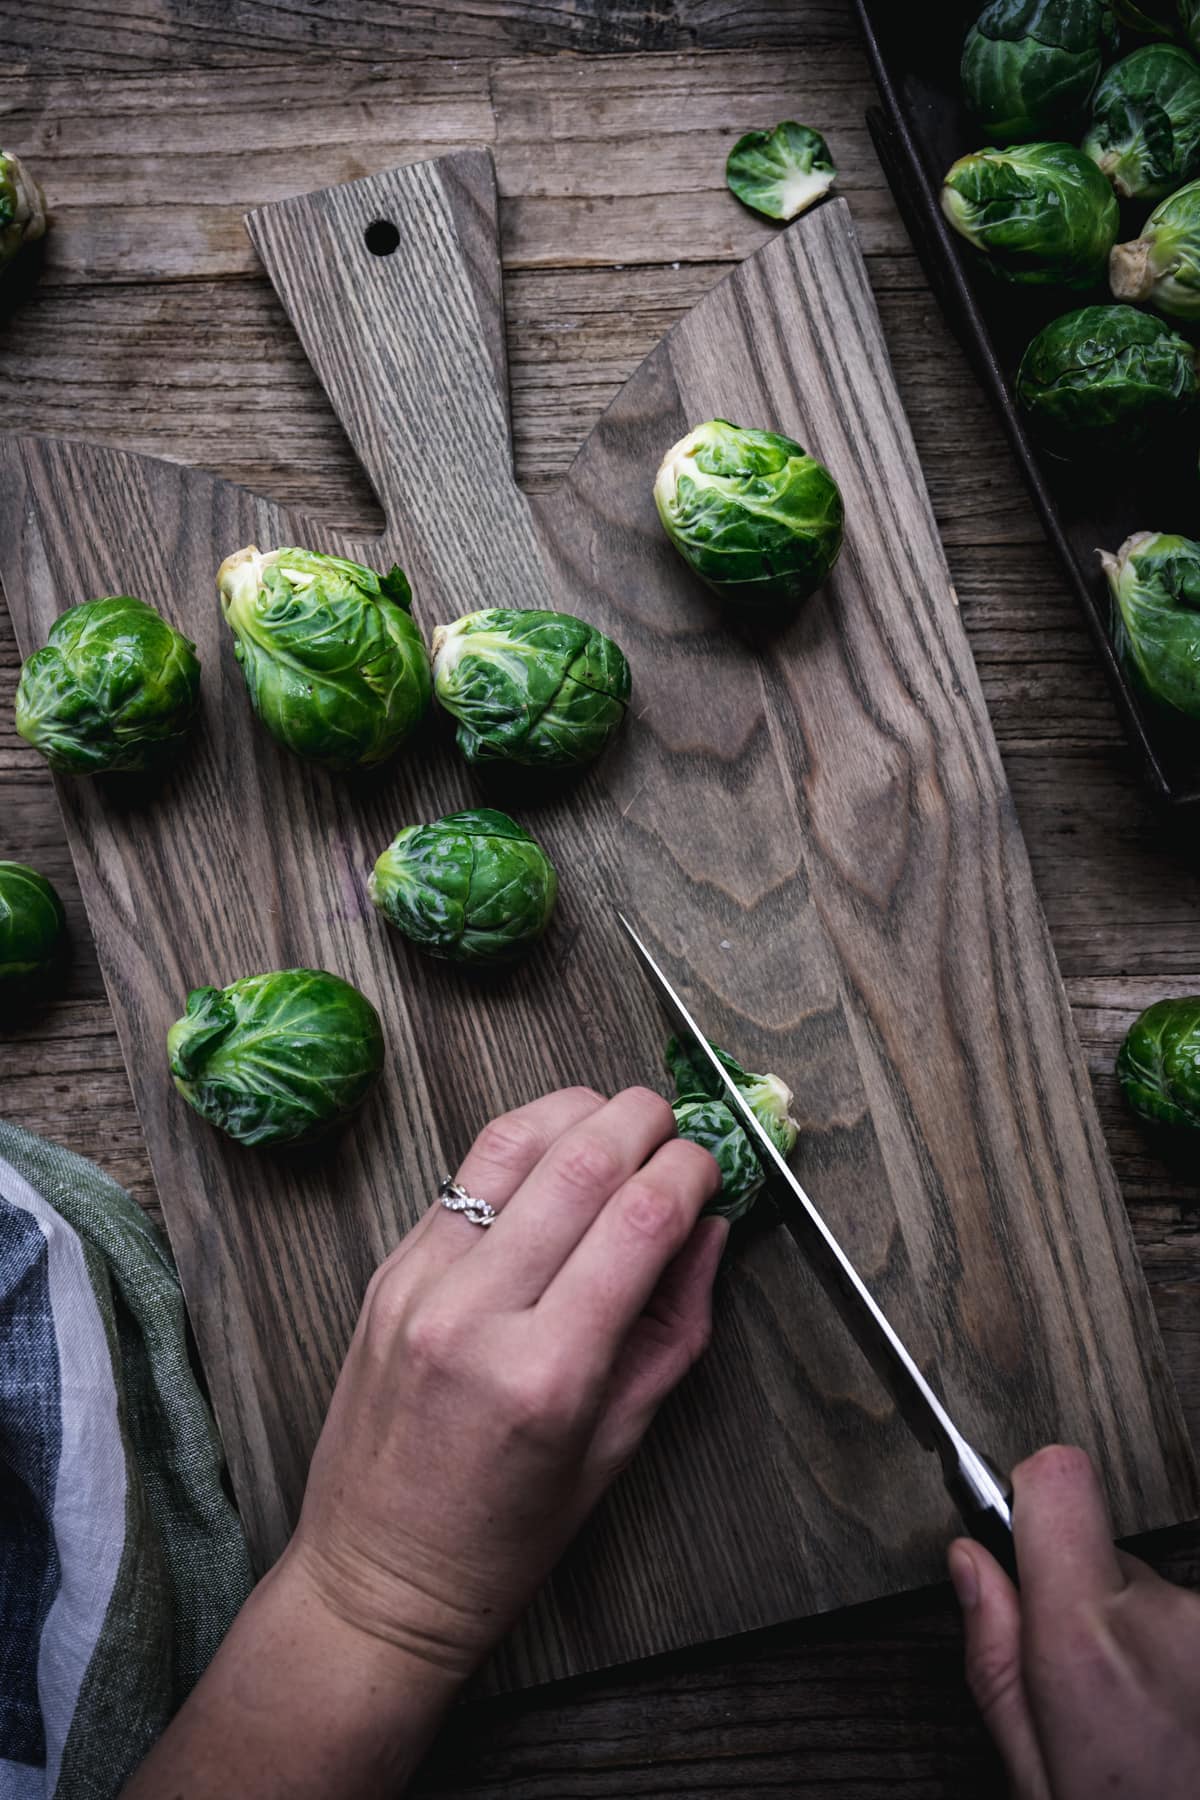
(985, 1509)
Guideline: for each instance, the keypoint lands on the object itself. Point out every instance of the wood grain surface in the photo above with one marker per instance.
(813, 826)
(157, 358)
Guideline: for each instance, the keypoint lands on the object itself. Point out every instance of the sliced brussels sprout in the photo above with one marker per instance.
(1158, 1064)
(113, 690)
(33, 931)
(22, 207)
(751, 512)
(335, 666)
(530, 687)
(1029, 67)
(1109, 376)
(1145, 129)
(277, 1058)
(473, 887)
(780, 173)
(1040, 213)
(703, 1117)
(1154, 580)
(1162, 266)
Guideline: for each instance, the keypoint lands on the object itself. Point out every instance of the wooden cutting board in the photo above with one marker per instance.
(812, 827)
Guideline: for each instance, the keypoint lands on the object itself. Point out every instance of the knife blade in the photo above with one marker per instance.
(982, 1495)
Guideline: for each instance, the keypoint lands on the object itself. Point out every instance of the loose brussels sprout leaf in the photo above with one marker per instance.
(1109, 376)
(277, 1058)
(1189, 20)
(473, 887)
(780, 173)
(530, 687)
(1040, 213)
(1145, 130)
(1152, 18)
(1154, 580)
(1158, 1065)
(32, 931)
(336, 669)
(22, 207)
(756, 517)
(114, 689)
(1029, 66)
(1162, 266)
(702, 1116)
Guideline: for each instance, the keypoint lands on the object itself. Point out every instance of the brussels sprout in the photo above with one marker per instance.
(780, 173)
(22, 207)
(1154, 580)
(1158, 1065)
(473, 887)
(32, 930)
(113, 690)
(276, 1058)
(1108, 375)
(1162, 266)
(756, 517)
(336, 668)
(1145, 130)
(1029, 67)
(530, 687)
(703, 1117)
(1039, 212)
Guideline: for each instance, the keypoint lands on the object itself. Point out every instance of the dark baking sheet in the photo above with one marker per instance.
(920, 129)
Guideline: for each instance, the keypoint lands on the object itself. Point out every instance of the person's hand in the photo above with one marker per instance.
(500, 1378)
(1089, 1679)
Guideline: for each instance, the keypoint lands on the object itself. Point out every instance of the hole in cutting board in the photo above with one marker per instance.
(381, 237)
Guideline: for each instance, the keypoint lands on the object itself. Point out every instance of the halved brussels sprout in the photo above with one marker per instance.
(336, 668)
(1039, 212)
(113, 690)
(473, 887)
(1029, 66)
(22, 207)
(1111, 376)
(32, 930)
(1162, 266)
(1145, 129)
(780, 173)
(530, 687)
(1158, 1064)
(277, 1058)
(704, 1118)
(756, 517)
(1154, 580)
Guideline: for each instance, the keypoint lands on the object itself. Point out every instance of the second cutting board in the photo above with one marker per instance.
(813, 829)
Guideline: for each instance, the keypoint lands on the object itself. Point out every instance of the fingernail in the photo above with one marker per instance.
(964, 1576)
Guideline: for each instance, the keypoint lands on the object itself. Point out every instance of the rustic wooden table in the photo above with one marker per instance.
(154, 125)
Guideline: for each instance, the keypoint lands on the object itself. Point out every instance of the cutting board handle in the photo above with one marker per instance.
(394, 287)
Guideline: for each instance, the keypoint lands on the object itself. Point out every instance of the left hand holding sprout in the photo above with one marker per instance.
(756, 517)
(1040, 213)
(780, 173)
(22, 207)
(336, 669)
(473, 887)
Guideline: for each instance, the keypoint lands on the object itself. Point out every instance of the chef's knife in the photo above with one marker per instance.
(981, 1494)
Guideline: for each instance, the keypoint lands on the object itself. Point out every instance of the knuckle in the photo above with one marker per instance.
(993, 1676)
(509, 1143)
(433, 1341)
(586, 1165)
(652, 1211)
(655, 1110)
(539, 1403)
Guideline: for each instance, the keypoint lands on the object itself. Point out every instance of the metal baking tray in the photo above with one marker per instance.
(919, 130)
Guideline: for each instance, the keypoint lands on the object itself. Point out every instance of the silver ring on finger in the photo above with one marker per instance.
(456, 1199)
